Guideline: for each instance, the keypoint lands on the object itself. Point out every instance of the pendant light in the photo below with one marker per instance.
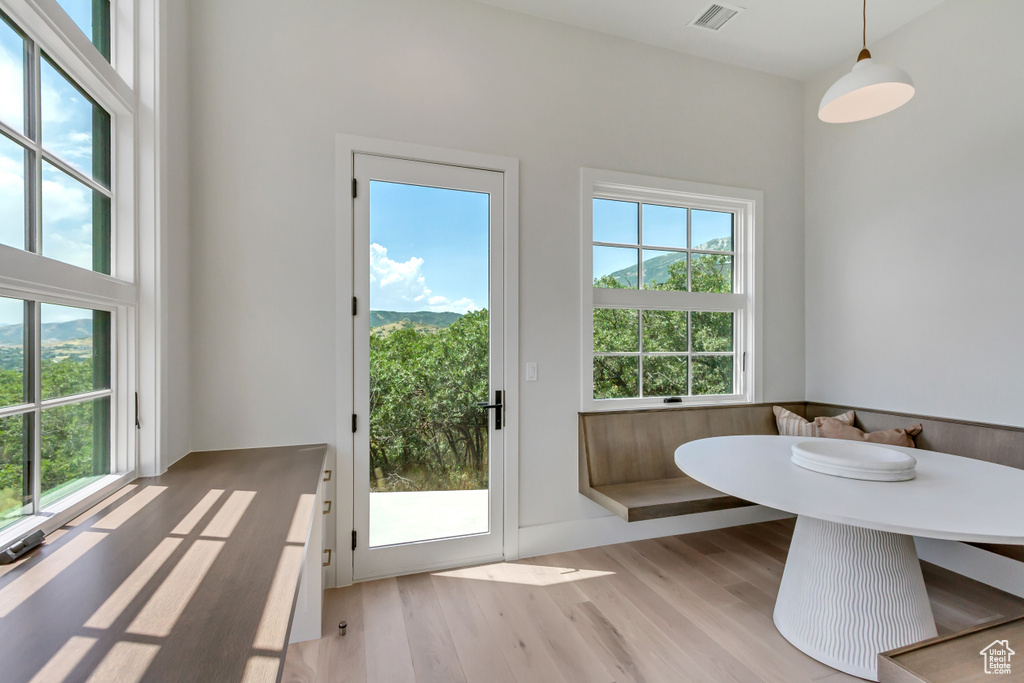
(869, 90)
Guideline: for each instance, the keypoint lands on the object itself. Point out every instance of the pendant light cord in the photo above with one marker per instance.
(864, 54)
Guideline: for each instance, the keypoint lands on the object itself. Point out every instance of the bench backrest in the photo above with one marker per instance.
(639, 445)
(979, 440)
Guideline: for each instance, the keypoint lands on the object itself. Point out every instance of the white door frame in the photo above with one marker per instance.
(346, 146)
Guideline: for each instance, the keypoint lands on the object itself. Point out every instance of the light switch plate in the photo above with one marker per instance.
(531, 372)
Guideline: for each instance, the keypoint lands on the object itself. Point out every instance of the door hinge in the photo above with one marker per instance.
(355, 306)
(354, 423)
(353, 539)
(354, 188)
(138, 421)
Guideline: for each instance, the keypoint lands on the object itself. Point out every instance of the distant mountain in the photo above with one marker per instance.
(427, 318)
(52, 332)
(718, 244)
(656, 269)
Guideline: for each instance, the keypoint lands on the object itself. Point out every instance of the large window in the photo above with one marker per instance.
(670, 312)
(67, 293)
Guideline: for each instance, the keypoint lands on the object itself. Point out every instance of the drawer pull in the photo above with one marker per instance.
(327, 475)
(328, 562)
(327, 507)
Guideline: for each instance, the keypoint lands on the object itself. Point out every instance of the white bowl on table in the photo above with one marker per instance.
(854, 460)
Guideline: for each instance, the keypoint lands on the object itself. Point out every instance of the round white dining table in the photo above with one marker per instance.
(852, 585)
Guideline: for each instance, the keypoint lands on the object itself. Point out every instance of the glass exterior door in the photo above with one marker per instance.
(428, 330)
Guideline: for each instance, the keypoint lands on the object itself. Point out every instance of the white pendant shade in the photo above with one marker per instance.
(870, 89)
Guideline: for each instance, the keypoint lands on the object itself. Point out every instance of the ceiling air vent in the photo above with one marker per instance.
(715, 16)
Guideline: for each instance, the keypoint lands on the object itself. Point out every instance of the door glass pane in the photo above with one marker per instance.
(665, 270)
(712, 273)
(76, 222)
(12, 77)
(75, 350)
(12, 353)
(615, 221)
(616, 268)
(73, 127)
(712, 230)
(429, 363)
(665, 375)
(12, 193)
(664, 226)
(75, 447)
(616, 329)
(15, 469)
(616, 376)
(93, 17)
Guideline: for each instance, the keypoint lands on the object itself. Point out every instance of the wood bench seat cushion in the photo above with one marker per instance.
(658, 498)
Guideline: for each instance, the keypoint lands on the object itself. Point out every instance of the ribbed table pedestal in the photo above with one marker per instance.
(849, 593)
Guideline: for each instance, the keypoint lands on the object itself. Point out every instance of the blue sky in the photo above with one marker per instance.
(664, 226)
(67, 132)
(428, 248)
(81, 12)
(12, 312)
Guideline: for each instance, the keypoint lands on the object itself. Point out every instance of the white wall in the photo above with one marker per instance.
(914, 237)
(176, 418)
(272, 83)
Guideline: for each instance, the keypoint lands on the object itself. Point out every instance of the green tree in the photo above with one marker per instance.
(616, 330)
(426, 430)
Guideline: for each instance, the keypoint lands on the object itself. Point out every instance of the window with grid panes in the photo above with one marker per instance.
(63, 302)
(670, 312)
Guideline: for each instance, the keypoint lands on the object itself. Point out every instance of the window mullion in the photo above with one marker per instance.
(57, 162)
(689, 257)
(689, 346)
(640, 342)
(33, 171)
(34, 351)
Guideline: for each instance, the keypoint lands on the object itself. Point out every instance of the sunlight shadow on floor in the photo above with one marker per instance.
(525, 574)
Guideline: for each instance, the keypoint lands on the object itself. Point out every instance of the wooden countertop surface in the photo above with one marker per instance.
(189, 576)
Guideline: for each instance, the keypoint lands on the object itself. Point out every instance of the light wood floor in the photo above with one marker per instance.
(684, 608)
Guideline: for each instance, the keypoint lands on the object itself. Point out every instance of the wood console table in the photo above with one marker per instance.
(190, 576)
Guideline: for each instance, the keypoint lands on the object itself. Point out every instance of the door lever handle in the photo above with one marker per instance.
(496, 406)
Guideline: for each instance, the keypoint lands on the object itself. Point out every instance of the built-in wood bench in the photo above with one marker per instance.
(958, 657)
(627, 457)
(201, 574)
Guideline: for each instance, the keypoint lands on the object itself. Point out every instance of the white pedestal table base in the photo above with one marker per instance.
(849, 593)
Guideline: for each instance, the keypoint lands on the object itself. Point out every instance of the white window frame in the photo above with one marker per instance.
(744, 302)
(32, 277)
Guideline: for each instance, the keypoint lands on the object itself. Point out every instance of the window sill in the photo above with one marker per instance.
(67, 509)
(626, 404)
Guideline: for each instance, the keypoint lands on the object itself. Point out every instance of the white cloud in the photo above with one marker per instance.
(400, 286)
(463, 305)
(12, 195)
(64, 198)
(67, 219)
(11, 108)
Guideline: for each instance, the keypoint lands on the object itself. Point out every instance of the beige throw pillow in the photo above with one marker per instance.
(834, 429)
(791, 424)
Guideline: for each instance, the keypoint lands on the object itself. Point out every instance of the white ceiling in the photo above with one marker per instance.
(794, 38)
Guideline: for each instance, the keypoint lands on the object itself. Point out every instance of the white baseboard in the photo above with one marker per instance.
(981, 565)
(545, 539)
